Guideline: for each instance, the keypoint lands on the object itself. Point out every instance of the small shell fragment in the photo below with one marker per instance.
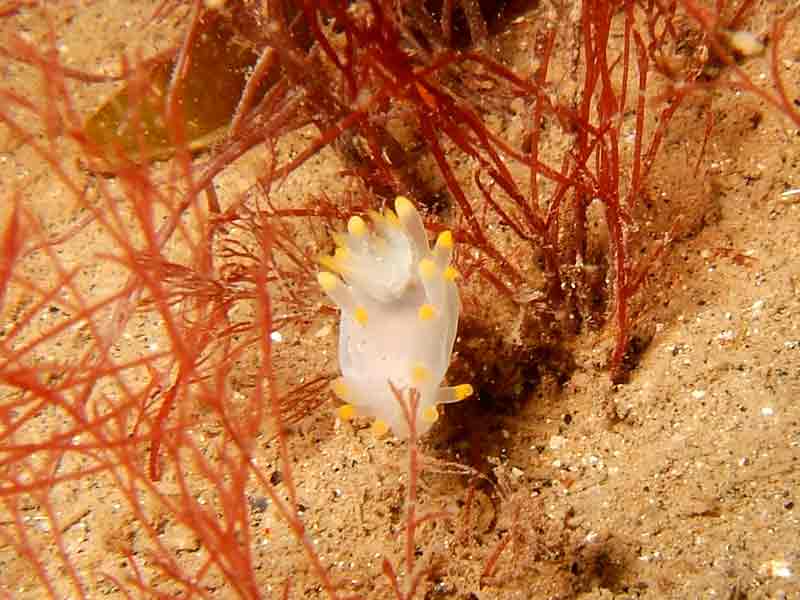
(743, 43)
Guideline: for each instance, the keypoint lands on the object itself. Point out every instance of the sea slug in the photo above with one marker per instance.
(400, 306)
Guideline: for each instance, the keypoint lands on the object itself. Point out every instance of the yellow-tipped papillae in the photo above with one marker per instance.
(346, 412)
(340, 388)
(379, 428)
(357, 227)
(327, 281)
(463, 391)
(430, 414)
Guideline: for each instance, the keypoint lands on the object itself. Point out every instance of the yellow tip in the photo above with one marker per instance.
(376, 217)
(379, 428)
(341, 254)
(427, 312)
(419, 374)
(330, 263)
(427, 268)
(451, 274)
(340, 388)
(445, 240)
(339, 239)
(403, 207)
(360, 315)
(356, 226)
(463, 391)
(327, 281)
(346, 412)
(391, 217)
(430, 414)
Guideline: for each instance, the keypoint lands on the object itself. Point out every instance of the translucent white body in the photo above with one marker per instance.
(400, 308)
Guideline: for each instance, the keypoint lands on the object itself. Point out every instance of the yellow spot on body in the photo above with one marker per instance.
(346, 412)
(445, 240)
(327, 281)
(379, 428)
(463, 391)
(430, 414)
(427, 312)
(360, 315)
(403, 207)
(451, 274)
(341, 255)
(340, 388)
(427, 268)
(419, 373)
(356, 226)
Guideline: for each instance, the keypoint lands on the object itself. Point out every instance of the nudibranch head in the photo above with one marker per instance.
(400, 307)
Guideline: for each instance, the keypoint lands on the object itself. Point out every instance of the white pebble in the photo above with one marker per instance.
(727, 336)
(776, 568)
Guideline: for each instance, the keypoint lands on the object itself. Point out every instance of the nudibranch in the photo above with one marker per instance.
(399, 314)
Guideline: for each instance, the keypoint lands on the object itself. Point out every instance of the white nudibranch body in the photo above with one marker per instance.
(400, 307)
